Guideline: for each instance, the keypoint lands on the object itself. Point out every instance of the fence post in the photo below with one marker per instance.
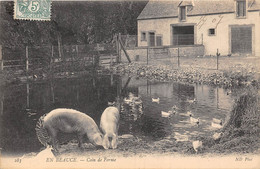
(27, 59)
(119, 39)
(178, 57)
(1, 58)
(147, 54)
(27, 95)
(51, 60)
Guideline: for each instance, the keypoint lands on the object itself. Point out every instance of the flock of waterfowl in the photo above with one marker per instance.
(197, 144)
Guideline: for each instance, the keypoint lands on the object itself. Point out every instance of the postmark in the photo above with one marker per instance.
(39, 10)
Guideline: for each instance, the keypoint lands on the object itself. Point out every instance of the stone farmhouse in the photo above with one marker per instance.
(201, 27)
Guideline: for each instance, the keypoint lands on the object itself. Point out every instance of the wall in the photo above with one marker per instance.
(162, 52)
(220, 22)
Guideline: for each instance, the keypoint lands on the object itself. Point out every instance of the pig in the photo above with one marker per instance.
(67, 121)
(109, 126)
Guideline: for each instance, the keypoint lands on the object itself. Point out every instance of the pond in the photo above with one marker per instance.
(22, 104)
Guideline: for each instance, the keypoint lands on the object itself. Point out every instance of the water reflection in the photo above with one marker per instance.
(21, 106)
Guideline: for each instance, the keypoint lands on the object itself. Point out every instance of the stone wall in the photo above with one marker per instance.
(140, 53)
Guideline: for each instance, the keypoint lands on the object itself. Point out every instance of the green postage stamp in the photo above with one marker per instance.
(39, 10)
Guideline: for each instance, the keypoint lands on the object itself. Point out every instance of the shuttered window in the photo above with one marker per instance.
(182, 13)
(241, 8)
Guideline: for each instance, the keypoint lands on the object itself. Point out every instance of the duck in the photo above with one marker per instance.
(138, 102)
(191, 101)
(197, 145)
(189, 113)
(216, 125)
(217, 121)
(156, 100)
(175, 107)
(217, 136)
(31, 112)
(127, 101)
(46, 153)
(195, 120)
(111, 103)
(229, 92)
(166, 114)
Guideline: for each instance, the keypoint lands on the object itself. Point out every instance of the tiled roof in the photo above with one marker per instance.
(162, 9)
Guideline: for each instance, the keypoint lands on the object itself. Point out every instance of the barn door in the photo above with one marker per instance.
(241, 39)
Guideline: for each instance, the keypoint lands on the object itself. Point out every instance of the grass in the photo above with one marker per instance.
(241, 134)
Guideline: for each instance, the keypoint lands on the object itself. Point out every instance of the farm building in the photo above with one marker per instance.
(201, 27)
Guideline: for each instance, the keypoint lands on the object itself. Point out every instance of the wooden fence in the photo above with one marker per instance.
(91, 55)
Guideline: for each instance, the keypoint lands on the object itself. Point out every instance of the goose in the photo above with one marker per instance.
(156, 100)
(166, 114)
(111, 103)
(216, 125)
(217, 121)
(46, 153)
(197, 145)
(191, 101)
(217, 136)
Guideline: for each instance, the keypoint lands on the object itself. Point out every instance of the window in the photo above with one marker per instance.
(182, 13)
(143, 36)
(212, 32)
(151, 39)
(158, 40)
(241, 9)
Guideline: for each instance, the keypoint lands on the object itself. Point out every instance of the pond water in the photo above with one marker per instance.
(22, 104)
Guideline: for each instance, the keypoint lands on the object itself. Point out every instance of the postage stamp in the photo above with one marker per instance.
(39, 10)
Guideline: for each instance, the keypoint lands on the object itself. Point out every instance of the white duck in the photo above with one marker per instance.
(191, 101)
(156, 100)
(197, 145)
(189, 113)
(217, 136)
(127, 101)
(166, 114)
(229, 92)
(194, 120)
(216, 125)
(175, 107)
(218, 121)
(111, 103)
